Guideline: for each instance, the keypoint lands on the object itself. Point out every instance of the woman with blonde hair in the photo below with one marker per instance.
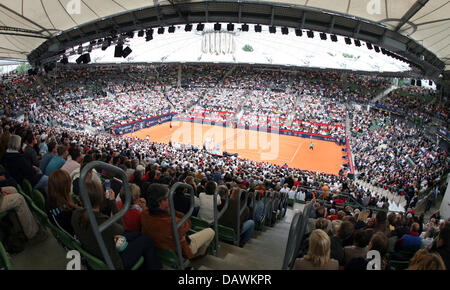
(424, 260)
(318, 256)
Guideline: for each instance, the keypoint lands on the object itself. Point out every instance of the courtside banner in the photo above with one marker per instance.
(142, 124)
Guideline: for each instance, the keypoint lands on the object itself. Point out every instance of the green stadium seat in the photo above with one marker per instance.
(5, 263)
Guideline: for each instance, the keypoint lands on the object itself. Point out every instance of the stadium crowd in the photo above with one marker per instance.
(52, 147)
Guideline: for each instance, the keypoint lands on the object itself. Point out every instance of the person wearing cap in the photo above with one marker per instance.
(157, 224)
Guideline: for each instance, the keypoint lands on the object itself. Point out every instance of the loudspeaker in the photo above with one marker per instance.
(161, 30)
(272, 29)
(419, 83)
(413, 82)
(86, 58)
(188, 27)
(357, 42)
(333, 38)
(430, 83)
(245, 27)
(298, 32)
(284, 31)
(310, 34)
(172, 29)
(230, 27)
(217, 27)
(323, 36)
(377, 49)
(258, 28)
(79, 59)
(126, 52)
(118, 51)
(348, 41)
(141, 33)
(369, 46)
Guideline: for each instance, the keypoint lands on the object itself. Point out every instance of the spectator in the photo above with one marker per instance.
(59, 204)
(74, 161)
(10, 199)
(20, 168)
(157, 224)
(132, 218)
(411, 241)
(48, 156)
(318, 256)
(424, 260)
(442, 245)
(359, 247)
(57, 161)
(206, 198)
(137, 245)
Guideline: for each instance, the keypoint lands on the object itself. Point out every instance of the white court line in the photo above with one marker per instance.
(298, 147)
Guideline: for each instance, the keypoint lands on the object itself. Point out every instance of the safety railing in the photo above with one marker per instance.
(292, 240)
(239, 213)
(301, 231)
(175, 225)
(96, 228)
(218, 215)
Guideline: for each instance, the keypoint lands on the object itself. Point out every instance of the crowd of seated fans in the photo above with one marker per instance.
(395, 155)
(403, 240)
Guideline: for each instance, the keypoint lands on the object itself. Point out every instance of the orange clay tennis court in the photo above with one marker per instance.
(258, 146)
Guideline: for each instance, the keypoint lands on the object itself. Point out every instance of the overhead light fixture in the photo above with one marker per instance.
(284, 31)
(217, 27)
(172, 29)
(310, 34)
(118, 50)
(200, 27)
(245, 27)
(161, 30)
(272, 29)
(188, 27)
(230, 27)
(333, 38)
(323, 36)
(298, 32)
(258, 28)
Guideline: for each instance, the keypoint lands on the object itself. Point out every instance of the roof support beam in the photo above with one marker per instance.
(410, 13)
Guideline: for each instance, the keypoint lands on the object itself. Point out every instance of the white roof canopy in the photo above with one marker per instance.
(25, 25)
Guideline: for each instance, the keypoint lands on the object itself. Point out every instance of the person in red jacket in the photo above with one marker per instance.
(157, 224)
(132, 219)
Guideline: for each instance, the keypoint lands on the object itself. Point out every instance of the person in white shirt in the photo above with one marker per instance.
(206, 198)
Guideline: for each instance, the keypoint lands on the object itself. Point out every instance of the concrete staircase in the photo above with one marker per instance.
(383, 94)
(397, 201)
(265, 251)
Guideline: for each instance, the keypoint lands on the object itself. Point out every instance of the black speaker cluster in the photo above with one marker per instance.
(121, 52)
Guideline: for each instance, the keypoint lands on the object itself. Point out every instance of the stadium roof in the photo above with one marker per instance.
(41, 30)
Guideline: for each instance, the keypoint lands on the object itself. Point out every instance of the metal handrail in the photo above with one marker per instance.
(218, 215)
(98, 229)
(239, 212)
(175, 225)
(301, 229)
(291, 242)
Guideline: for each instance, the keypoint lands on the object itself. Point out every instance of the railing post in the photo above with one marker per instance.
(239, 211)
(175, 225)
(98, 229)
(218, 215)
